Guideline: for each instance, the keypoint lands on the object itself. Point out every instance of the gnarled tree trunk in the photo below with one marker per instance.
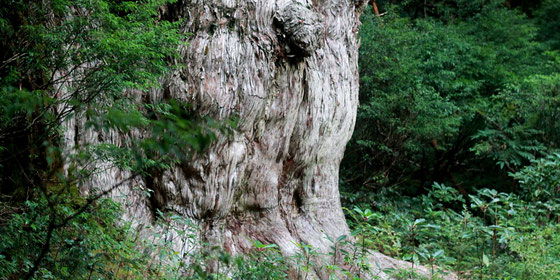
(289, 70)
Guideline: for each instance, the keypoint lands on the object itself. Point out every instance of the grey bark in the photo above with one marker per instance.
(289, 70)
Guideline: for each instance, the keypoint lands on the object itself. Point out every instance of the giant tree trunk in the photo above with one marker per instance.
(289, 70)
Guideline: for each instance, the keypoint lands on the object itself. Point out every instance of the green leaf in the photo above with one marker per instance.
(485, 260)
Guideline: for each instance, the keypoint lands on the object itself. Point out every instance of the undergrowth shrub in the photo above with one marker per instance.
(97, 243)
(486, 235)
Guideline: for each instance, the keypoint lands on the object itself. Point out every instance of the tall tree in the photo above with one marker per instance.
(287, 70)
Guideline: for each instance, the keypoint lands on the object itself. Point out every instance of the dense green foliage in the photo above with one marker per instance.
(92, 246)
(90, 60)
(96, 244)
(449, 101)
(458, 131)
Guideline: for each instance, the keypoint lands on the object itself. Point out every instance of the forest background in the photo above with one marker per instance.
(456, 143)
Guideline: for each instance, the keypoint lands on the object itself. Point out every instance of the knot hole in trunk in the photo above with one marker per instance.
(301, 29)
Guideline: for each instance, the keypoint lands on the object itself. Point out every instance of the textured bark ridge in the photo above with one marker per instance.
(289, 70)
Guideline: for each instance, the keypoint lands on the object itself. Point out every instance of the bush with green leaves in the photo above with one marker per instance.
(449, 96)
(94, 244)
(464, 94)
(540, 181)
(97, 244)
(90, 61)
(489, 234)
